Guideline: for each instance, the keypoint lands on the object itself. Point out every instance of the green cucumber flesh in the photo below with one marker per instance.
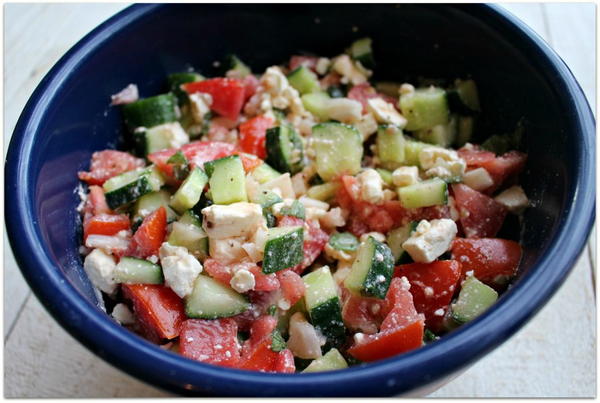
(131, 270)
(296, 209)
(283, 249)
(175, 80)
(344, 241)
(266, 198)
(424, 108)
(390, 146)
(396, 237)
(130, 186)
(304, 80)
(331, 361)
(323, 192)
(412, 149)
(227, 180)
(316, 103)
(264, 173)
(212, 300)
(464, 97)
(474, 299)
(432, 192)
(372, 270)
(284, 149)
(338, 148)
(152, 201)
(190, 191)
(240, 68)
(386, 176)
(190, 236)
(465, 129)
(361, 50)
(150, 112)
(440, 135)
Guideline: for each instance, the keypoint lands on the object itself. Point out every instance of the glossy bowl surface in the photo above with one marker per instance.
(68, 117)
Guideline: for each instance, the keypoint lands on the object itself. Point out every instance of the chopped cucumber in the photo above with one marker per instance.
(176, 79)
(361, 51)
(331, 361)
(441, 135)
(390, 146)
(316, 103)
(131, 270)
(284, 248)
(431, 192)
(372, 270)
(191, 218)
(158, 138)
(296, 209)
(338, 149)
(284, 149)
(336, 92)
(397, 237)
(190, 236)
(323, 192)
(465, 129)
(344, 241)
(474, 299)
(240, 68)
(211, 300)
(386, 176)
(227, 180)
(130, 186)
(150, 202)
(150, 112)
(190, 191)
(304, 80)
(464, 97)
(323, 305)
(181, 167)
(424, 108)
(266, 198)
(264, 173)
(412, 149)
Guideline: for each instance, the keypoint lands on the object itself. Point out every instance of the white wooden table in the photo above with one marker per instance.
(553, 356)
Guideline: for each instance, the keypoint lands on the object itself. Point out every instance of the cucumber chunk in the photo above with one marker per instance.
(190, 191)
(150, 112)
(372, 270)
(190, 236)
(424, 108)
(323, 192)
(240, 68)
(361, 51)
(412, 149)
(284, 149)
(175, 80)
(316, 103)
(212, 300)
(159, 138)
(284, 248)
(304, 80)
(264, 173)
(181, 167)
(323, 305)
(149, 203)
(431, 192)
(390, 146)
(474, 299)
(296, 209)
(227, 180)
(344, 241)
(130, 186)
(338, 148)
(397, 237)
(266, 198)
(441, 135)
(464, 97)
(386, 176)
(331, 361)
(131, 270)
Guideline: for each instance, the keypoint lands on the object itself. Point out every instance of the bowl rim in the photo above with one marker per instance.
(420, 367)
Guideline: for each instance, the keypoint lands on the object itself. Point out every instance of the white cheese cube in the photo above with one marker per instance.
(255, 247)
(180, 268)
(344, 109)
(377, 235)
(282, 185)
(228, 250)
(367, 125)
(350, 73)
(174, 134)
(371, 186)
(100, 268)
(233, 220)
(430, 240)
(385, 112)
(304, 341)
(514, 199)
(405, 176)
(322, 65)
(333, 218)
(199, 105)
(442, 163)
(478, 179)
(242, 281)
(122, 314)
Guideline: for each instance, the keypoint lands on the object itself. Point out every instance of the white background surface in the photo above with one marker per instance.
(553, 356)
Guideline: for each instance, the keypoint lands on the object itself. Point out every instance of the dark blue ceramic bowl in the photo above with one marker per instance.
(68, 117)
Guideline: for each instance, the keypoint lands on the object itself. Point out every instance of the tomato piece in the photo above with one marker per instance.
(387, 344)
(432, 287)
(224, 273)
(157, 308)
(261, 329)
(250, 162)
(227, 95)
(285, 362)
(399, 308)
(315, 240)
(200, 152)
(363, 314)
(96, 202)
(475, 156)
(150, 235)
(257, 354)
(480, 215)
(250, 86)
(330, 79)
(490, 259)
(362, 93)
(210, 341)
(105, 224)
(253, 135)
(259, 303)
(292, 285)
(218, 271)
(264, 282)
(260, 357)
(306, 61)
(108, 163)
(505, 167)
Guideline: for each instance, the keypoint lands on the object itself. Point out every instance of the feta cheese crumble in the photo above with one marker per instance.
(180, 268)
(430, 240)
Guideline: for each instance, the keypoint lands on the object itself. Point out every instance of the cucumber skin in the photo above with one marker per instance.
(385, 268)
(275, 149)
(192, 313)
(178, 200)
(139, 278)
(341, 152)
(150, 112)
(128, 193)
(327, 318)
(304, 80)
(284, 252)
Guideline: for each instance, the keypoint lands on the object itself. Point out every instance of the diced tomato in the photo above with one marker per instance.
(218, 271)
(330, 79)
(108, 163)
(432, 287)
(259, 303)
(315, 240)
(292, 285)
(227, 95)
(356, 226)
(105, 224)
(260, 358)
(289, 221)
(492, 260)
(505, 167)
(306, 61)
(475, 156)
(253, 135)
(399, 308)
(362, 314)
(257, 354)
(264, 282)
(250, 162)
(362, 93)
(261, 329)
(480, 215)
(200, 152)
(387, 344)
(285, 362)
(250, 86)
(224, 273)
(150, 235)
(210, 341)
(96, 202)
(158, 309)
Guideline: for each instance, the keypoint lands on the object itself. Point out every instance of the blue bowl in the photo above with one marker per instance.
(68, 117)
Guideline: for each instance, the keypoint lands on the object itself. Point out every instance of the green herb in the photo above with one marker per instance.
(180, 164)
(344, 241)
(278, 343)
(295, 210)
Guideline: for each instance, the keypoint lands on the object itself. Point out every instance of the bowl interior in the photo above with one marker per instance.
(410, 41)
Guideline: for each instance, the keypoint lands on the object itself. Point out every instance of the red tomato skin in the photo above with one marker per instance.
(264, 282)
(157, 308)
(432, 287)
(105, 224)
(292, 285)
(480, 215)
(96, 202)
(475, 156)
(505, 167)
(150, 235)
(210, 341)
(224, 273)
(253, 135)
(315, 240)
(108, 163)
(260, 357)
(362, 93)
(307, 61)
(488, 258)
(362, 314)
(250, 86)
(399, 308)
(227, 95)
(285, 362)
(388, 344)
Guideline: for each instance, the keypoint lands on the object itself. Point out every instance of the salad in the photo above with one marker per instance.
(306, 219)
